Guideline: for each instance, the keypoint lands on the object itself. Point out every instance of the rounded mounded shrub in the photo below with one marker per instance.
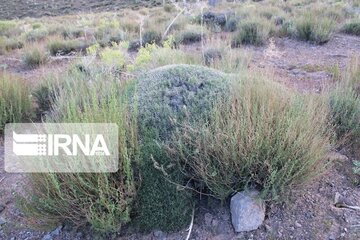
(177, 91)
(169, 95)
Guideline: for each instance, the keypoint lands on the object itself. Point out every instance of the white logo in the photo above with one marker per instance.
(61, 147)
(52, 144)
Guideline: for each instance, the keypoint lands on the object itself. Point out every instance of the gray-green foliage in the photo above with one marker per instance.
(167, 95)
(177, 91)
(316, 29)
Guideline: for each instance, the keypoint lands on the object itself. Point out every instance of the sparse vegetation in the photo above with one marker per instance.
(352, 28)
(150, 37)
(8, 44)
(64, 47)
(189, 36)
(345, 105)
(252, 32)
(37, 34)
(35, 56)
(314, 28)
(211, 56)
(7, 28)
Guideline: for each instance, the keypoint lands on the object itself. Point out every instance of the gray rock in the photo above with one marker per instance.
(57, 231)
(247, 211)
(159, 234)
(2, 221)
(208, 219)
(47, 237)
(53, 234)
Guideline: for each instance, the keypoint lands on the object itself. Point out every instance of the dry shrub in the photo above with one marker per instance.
(344, 100)
(101, 200)
(15, 102)
(263, 136)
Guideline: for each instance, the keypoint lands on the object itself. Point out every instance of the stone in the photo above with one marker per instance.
(247, 211)
(208, 219)
(159, 234)
(57, 231)
(53, 234)
(2, 221)
(47, 237)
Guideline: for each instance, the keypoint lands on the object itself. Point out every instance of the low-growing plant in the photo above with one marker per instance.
(36, 35)
(8, 44)
(252, 32)
(113, 57)
(109, 31)
(287, 29)
(64, 47)
(189, 36)
(36, 25)
(15, 102)
(44, 95)
(211, 56)
(260, 136)
(35, 56)
(150, 37)
(316, 29)
(143, 57)
(168, 7)
(72, 32)
(231, 24)
(344, 101)
(279, 20)
(8, 28)
(352, 28)
(134, 45)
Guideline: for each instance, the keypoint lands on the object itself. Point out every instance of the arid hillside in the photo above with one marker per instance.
(38, 8)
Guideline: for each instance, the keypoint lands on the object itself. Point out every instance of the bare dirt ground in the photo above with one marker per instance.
(309, 213)
(11, 9)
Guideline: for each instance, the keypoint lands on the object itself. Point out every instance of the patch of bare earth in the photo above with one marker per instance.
(12, 63)
(309, 214)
